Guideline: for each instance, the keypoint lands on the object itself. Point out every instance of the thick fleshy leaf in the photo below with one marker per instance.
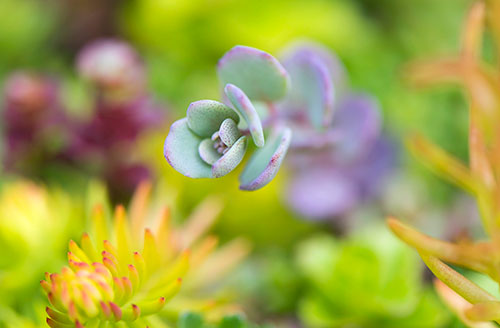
(229, 132)
(358, 124)
(206, 116)
(265, 162)
(321, 192)
(256, 72)
(181, 151)
(325, 55)
(312, 87)
(230, 159)
(207, 151)
(244, 106)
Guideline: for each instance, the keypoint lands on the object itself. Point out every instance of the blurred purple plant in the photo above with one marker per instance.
(338, 156)
(101, 144)
(34, 121)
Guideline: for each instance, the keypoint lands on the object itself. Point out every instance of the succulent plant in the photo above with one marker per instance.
(340, 293)
(114, 67)
(122, 274)
(474, 305)
(211, 141)
(338, 156)
(35, 224)
(34, 121)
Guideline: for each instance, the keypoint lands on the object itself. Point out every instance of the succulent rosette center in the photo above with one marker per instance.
(221, 143)
(209, 144)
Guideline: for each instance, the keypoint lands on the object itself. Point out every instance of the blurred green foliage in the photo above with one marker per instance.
(368, 280)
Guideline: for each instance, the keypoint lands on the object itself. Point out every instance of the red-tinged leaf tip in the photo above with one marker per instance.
(136, 311)
(45, 285)
(106, 310)
(52, 323)
(117, 312)
(78, 324)
(72, 312)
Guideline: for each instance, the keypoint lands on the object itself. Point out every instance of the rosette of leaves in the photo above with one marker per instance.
(473, 304)
(367, 280)
(212, 140)
(338, 155)
(125, 272)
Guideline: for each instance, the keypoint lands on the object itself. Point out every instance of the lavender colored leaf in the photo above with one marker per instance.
(312, 88)
(358, 124)
(321, 192)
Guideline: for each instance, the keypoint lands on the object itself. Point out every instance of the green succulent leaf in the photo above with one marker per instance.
(265, 162)
(181, 151)
(257, 73)
(205, 117)
(229, 132)
(230, 159)
(246, 109)
(207, 151)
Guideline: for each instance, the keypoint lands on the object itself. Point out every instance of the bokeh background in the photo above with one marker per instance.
(347, 271)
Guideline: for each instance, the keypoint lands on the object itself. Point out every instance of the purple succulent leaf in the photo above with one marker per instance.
(266, 161)
(256, 72)
(321, 192)
(229, 132)
(308, 139)
(204, 117)
(375, 166)
(245, 108)
(358, 123)
(181, 151)
(312, 88)
(207, 151)
(231, 159)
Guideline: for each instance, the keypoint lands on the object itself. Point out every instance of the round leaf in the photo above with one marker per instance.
(181, 151)
(321, 192)
(358, 124)
(245, 108)
(256, 72)
(312, 87)
(230, 159)
(207, 151)
(229, 132)
(265, 162)
(206, 116)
